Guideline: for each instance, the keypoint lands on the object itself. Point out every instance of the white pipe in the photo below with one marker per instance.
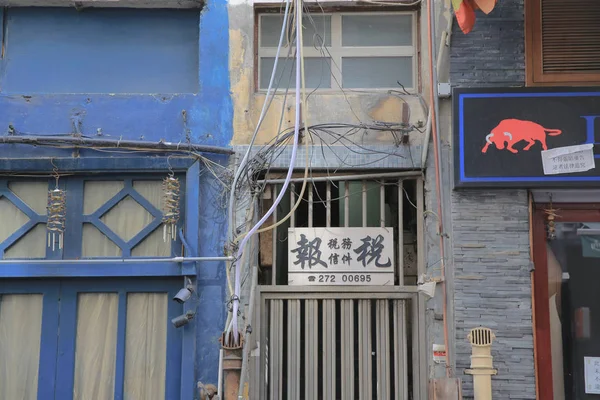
(220, 378)
(114, 261)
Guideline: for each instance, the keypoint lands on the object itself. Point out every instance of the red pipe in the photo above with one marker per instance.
(438, 185)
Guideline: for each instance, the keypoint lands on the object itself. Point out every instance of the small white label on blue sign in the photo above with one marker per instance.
(569, 159)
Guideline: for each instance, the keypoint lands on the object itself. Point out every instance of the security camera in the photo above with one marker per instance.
(184, 294)
(183, 319)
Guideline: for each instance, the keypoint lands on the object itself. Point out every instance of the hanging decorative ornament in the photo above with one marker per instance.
(171, 207)
(56, 211)
(551, 221)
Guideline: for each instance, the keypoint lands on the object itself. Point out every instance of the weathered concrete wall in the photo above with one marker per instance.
(333, 106)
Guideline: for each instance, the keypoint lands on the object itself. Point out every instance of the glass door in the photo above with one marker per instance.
(567, 303)
(574, 302)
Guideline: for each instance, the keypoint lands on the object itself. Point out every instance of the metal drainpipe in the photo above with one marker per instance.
(482, 362)
(444, 42)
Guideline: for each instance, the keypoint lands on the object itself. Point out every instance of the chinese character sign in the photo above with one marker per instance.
(592, 375)
(341, 256)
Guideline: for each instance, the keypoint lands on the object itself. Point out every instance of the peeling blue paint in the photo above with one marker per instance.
(211, 276)
(152, 117)
(215, 93)
(215, 115)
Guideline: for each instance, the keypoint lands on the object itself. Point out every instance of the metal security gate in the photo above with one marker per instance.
(341, 342)
(369, 200)
(364, 344)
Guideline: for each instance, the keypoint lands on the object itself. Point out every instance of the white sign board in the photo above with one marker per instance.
(592, 375)
(341, 256)
(569, 159)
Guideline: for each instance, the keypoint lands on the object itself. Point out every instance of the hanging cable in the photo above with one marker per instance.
(263, 113)
(234, 322)
(241, 169)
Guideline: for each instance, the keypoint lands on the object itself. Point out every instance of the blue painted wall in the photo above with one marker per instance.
(31, 109)
(35, 106)
(62, 50)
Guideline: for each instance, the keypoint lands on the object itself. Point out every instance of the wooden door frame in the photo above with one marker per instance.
(566, 212)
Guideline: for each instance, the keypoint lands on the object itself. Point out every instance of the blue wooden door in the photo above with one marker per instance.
(90, 339)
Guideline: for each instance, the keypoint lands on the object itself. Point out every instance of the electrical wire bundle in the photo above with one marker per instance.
(232, 337)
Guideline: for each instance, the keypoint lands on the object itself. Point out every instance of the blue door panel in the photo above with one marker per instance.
(50, 314)
(57, 352)
(67, 340)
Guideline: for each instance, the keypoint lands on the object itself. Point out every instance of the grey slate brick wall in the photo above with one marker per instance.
(491, 228)
(493, 54)
(493, 287)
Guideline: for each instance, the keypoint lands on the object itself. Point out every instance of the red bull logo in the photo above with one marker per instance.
(511, 131)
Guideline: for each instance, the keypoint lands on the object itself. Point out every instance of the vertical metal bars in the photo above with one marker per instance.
(400, 233)
(365, 361)
(343, 199)
(415, 352)
(292, 203)
(274, 250)
(312, 369)
(337, 344)
(310, 204)
(311, 349)
(346, 204)
(382, 204)
(293, 349)
(420, 227)
(382, 326)
(400, 360)
(364, 203)
(347, 349)
(329, 350)
(328, 205)
(276, 355)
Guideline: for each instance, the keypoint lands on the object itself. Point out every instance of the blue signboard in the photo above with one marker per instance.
(500, 135)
